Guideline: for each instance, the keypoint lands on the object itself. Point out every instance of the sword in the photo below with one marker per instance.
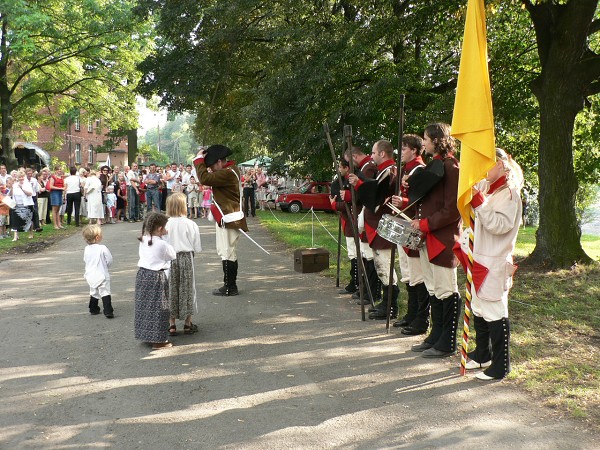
(254, 242)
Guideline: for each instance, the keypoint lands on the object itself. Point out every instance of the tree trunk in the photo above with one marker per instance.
(8, 155)
(558, 236)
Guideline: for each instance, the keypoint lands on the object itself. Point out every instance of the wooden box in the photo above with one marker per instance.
(308, 260)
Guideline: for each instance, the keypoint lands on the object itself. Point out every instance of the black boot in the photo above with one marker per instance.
(93, 305)
(352, 287)
(222, 289)
(232, 287)
(107, 307)
(380, 312)
(500, 337)
(420, 323)
(437, 315)
(229, 287)
(411, 307)
(446, 343)
(483, 351)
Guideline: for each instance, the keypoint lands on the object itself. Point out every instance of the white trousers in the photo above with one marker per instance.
(101, 291)
(226, 241)
(366, 251)
(410, 268)
(351, 247)
(440, 281)
(382, 260)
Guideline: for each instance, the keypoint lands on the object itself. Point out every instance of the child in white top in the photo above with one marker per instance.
(192, 191)
(184, 236)
(152, 284)
(97, 260)
(111, 203)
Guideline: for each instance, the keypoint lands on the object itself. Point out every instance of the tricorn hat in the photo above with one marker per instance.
(216, 152)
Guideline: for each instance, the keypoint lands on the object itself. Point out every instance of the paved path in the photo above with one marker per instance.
(287, 364)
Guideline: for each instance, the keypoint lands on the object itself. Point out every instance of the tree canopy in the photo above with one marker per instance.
(68, 55)
(266, 76)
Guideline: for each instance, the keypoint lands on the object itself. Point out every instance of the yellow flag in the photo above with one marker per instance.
(473, 118)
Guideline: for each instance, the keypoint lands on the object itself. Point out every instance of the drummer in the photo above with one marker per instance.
(438, 217)
(416, 319)
(374, 195)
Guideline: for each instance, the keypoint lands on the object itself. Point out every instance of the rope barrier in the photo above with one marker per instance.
(314, 214)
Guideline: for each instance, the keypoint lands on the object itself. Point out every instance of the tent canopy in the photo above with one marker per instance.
(263, 161)
(42, 154)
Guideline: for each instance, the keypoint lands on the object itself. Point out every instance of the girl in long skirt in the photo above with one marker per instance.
(184, 236)
(151, 283)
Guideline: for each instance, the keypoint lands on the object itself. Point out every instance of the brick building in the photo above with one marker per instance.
(81, 141)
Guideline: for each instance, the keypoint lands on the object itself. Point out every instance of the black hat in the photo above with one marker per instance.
(216, 152)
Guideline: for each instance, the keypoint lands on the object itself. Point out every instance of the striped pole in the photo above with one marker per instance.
(468, 287)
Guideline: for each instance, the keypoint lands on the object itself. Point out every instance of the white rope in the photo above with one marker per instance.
(304, 217)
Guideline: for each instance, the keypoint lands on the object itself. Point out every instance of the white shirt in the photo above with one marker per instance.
(97, 260)
(185, 177)
(172, 177)
(35, 185)
(184, 235)
(131, 175)
(72, 183)
(20, 194)
(157, 256)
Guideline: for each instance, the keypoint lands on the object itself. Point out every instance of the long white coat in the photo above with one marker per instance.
(93, 193)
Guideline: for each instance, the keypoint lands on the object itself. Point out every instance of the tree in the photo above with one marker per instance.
(570, 75)
(65, 55)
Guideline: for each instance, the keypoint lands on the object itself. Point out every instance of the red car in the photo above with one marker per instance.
(314, 195)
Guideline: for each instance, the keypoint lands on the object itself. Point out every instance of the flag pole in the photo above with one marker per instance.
(468, 296)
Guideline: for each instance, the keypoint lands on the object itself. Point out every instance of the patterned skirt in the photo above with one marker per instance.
(151, 305)
(21, 218)
(182, 286)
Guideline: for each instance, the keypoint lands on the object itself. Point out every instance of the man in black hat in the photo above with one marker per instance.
(226, 209)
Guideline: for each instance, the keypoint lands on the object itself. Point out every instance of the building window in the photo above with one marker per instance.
(97, 123)
(91, 154)
(77, 124)
(77, 153)
(90, 127)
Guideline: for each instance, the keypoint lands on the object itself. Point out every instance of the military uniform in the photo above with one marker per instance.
(373, 194)
(226, 211)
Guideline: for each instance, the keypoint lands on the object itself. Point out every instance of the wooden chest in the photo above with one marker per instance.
(308, 260)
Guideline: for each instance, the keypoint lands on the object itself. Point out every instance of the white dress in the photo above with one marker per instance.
(93, 193)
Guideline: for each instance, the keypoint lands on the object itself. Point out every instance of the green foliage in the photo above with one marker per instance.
(68, 55)
(177, 142)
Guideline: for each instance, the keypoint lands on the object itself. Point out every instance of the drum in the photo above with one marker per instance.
(399, 231)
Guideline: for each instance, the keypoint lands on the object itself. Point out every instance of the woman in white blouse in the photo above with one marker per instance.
(21, 217)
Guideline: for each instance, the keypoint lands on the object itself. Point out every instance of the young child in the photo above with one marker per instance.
(206, 201)
(152, 284)
(97, 260)
(193, 198)
(177, 186)
(184, 236)
(111, 203)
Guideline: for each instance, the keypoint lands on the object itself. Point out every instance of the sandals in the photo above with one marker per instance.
(190, 329)
(173, 330)
(162, 345)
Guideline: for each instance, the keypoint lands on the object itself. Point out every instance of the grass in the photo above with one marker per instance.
(39, 241)
(555, 316)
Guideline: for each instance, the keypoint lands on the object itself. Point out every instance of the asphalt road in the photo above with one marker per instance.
(286, 364)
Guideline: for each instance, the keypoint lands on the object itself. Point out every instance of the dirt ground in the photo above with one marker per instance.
(286, 364)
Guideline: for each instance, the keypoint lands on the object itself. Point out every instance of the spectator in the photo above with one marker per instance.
(93, 193)
(73, 195)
